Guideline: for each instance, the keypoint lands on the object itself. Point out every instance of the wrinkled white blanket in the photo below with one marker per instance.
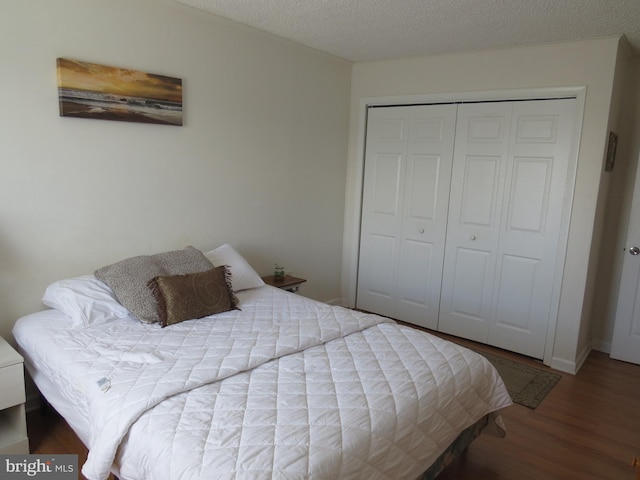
(285, 388)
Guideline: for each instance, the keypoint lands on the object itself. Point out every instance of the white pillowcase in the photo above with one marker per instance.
(243, 276)
(85, 299)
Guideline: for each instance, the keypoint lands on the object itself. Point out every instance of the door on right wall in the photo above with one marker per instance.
(626, 332)
(505, 216)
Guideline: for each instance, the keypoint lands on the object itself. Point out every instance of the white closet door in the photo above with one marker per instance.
(475, 208)
(406, 190)
(541, 142)
(509, 180)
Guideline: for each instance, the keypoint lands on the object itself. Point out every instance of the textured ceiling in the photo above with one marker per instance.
(361, 30)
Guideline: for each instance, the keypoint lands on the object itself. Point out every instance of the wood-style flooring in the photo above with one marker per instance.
(587, 428)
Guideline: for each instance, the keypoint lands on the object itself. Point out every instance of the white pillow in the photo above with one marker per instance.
(243, 276)
(85, 299)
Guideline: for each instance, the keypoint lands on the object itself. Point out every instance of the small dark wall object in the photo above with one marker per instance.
(611, 152)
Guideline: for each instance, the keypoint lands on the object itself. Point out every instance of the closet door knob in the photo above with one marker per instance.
(421, 230)
(472, 237)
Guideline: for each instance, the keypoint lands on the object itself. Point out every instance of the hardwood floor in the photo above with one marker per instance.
(49, 433)
(587, 428)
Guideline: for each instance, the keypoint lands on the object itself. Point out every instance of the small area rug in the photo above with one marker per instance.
(527, 385)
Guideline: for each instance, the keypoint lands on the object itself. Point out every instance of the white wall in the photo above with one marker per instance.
(626, 123)
(259, 162)
(618, 193)
(587, 63)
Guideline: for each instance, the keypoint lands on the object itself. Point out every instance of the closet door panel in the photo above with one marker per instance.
(529, 198)
(469, 287)
(516, 291)
(381, 228)
(420, 271)
(422, 188)
(536, 182)
(416, 279)
(381, 233)
(411, 210)
(479, 191)
(473, 229)
(426, 198)
(386, 186)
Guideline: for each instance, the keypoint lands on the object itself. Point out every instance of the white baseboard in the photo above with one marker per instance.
(563, 365)
(583, 357)
(569, 366)
(601, 345)
(335, 301)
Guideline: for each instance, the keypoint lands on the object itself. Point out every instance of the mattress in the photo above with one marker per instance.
(286, 387)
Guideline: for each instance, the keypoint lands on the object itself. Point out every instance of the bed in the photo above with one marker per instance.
(277, 386)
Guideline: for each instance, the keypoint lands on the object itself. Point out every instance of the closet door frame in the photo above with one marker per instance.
(351, 249)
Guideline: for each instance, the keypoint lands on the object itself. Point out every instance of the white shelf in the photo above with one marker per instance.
(8, 356)
(13, 425)
(13, 429)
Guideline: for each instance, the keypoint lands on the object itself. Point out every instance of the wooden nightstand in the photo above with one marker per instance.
(288, 283)
(13, 425)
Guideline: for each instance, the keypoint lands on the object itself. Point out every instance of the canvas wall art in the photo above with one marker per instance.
(89, 90)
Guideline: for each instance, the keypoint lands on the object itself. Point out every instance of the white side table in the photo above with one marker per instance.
(13, 423)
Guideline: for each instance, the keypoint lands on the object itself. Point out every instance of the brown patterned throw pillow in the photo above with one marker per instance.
(193, 295)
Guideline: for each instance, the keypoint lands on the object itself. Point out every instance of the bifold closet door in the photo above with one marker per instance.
(505, 215)
(408, 160)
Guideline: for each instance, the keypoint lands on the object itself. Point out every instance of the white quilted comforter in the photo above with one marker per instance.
(286, 388)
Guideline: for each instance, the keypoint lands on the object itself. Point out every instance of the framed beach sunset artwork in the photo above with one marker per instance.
(89, 90)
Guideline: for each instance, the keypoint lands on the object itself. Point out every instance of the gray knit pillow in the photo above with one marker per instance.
(187, 260)
(128, 278)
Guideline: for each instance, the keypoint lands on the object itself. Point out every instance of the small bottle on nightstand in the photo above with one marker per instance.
(278, 273)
